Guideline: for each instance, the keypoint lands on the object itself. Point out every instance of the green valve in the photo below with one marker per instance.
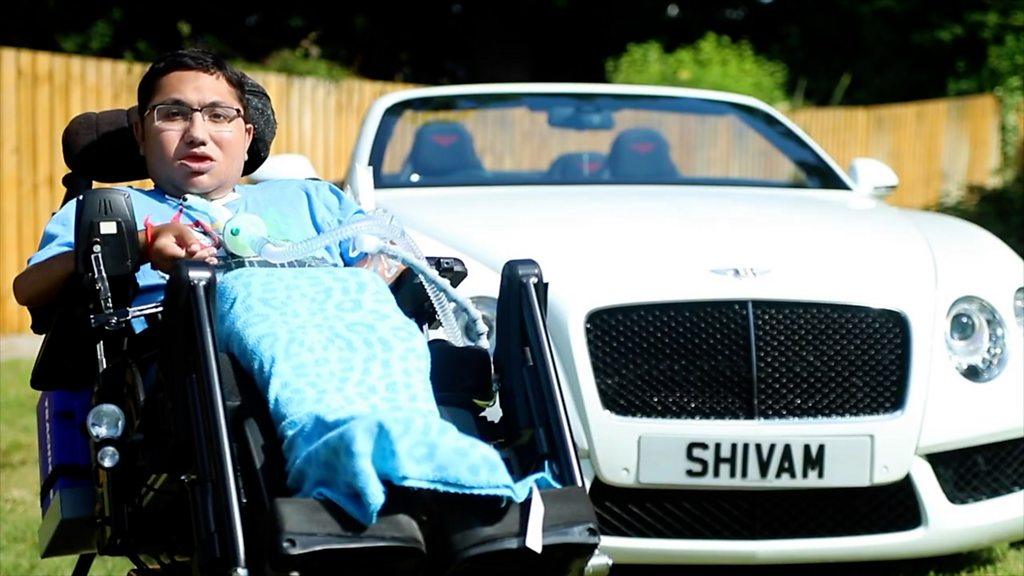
(243, 231)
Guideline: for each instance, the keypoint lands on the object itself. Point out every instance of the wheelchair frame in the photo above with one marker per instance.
(215, 477)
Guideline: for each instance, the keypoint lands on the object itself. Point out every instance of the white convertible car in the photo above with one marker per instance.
(764, 361)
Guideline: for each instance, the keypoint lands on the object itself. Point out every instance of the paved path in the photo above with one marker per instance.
(19, 346)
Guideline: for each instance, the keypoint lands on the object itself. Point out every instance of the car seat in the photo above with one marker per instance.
(641, 154)
(578, 166)
(442, 151)
(197, 485)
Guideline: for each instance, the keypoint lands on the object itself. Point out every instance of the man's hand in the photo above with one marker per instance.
(174, 241)
(385, 267)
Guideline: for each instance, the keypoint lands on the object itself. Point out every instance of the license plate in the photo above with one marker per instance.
(787, 461)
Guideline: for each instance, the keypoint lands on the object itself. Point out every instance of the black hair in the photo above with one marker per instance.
(186, 60)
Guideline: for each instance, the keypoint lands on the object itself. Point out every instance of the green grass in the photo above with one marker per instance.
(19, 483)
(19, 515)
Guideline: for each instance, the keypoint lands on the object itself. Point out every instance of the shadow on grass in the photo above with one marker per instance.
(1005, 560)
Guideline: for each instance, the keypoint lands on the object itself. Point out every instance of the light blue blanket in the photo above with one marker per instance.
(347, 376)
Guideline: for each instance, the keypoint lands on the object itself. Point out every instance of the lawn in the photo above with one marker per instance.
(19, 515)
(19, 483)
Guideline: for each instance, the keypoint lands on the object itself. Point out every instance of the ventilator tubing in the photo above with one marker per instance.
(431, 279)
(376, 233)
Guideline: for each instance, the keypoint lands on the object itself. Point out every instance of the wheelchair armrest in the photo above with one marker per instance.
(106, 257)
(43, 318)
(530, 394)
(67, 356)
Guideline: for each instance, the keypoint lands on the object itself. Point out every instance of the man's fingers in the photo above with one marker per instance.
(169, 250)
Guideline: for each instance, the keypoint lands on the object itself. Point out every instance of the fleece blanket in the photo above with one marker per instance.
(347, 378)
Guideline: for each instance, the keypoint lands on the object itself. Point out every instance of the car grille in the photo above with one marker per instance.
(980, 472)
(755, 514)
(749, 360)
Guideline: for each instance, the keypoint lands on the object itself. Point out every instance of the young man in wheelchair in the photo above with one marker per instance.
(341, 372)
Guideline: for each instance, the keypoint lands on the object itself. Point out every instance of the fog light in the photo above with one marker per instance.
(105, 421)
(108, 457)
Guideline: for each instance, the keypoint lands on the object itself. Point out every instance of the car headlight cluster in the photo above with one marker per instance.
(976, 339)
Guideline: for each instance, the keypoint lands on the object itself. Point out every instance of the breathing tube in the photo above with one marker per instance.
(378, 233)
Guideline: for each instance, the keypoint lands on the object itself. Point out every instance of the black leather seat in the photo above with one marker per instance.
(641, 155)
(442, 151)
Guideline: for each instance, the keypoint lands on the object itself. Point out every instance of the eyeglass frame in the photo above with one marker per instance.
(240, 114)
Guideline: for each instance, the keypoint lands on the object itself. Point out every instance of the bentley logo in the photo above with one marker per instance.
(741, 273)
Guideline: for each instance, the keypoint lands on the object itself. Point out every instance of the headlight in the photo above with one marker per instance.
(108, 457)
(976, 339)
(1018, 306)
(105, 421)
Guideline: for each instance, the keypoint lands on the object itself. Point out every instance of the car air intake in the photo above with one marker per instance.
(749, 360)
(980, 472)
(755, 514)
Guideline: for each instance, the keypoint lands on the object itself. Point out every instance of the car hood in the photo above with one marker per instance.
(603, 245)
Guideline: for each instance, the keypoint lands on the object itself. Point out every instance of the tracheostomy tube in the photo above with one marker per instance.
(378, 233)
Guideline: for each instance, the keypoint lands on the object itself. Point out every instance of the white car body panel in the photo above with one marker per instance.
(609, 245)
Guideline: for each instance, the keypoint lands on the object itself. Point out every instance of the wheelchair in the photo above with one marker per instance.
(190, 480)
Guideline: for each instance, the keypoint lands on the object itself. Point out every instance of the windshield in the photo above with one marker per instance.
(530, 139)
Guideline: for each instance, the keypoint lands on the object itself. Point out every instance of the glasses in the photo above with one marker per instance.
(176, 117)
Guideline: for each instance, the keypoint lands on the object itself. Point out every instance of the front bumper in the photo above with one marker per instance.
(945, 528)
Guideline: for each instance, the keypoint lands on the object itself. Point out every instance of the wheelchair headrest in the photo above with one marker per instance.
(442, 149)
(641, 153)
(100, 146)
(577, 166)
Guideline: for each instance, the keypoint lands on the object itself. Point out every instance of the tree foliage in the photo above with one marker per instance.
(848, 51)
(999, 210)
(1002, 70)
(304, 60)
(714, 62)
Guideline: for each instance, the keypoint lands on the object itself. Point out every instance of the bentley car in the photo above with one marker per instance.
(764, 361)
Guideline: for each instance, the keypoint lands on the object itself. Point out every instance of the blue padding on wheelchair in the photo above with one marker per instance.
(347, 377)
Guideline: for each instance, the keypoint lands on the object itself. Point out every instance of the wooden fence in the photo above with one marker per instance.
(937, 146)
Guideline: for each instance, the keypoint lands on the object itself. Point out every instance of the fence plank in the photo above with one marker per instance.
(42, 151)
(27, 161)
(11, 168)
(59, 117)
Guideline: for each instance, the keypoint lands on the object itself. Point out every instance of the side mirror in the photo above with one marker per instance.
(873, 177)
